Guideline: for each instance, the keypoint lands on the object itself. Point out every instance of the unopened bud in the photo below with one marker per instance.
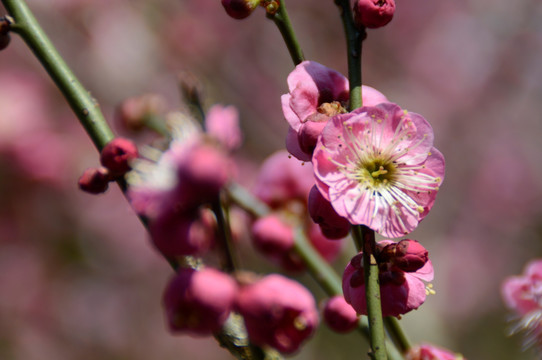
(94, 180)
(339, 315)
(373, 13)
(5, 23)
(410, 255)
(117, 155)
(240, 9)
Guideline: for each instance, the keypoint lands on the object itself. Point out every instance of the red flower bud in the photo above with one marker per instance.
(373, 13)
(340, 316)
(410, 255)
(117, 154)
(240, 9)
(94, 180)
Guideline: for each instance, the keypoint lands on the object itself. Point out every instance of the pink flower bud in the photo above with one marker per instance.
(117, 154)
(333, 225)
(340, 316)
(177, 234)
(94, 180)
(278, 312)
(240, 9)
(410, 255)
(199, 302)
(272, 236)
(373, 13)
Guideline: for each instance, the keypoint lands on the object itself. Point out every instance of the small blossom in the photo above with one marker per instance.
(278, 312)
(339, 316)
(199, 302)
(523, 295)
(191, 172)
(401, 291)
(430, 352)
(94, 180)
(373, 13)
(378, 167)
(240, 9)
(316, 93)
(117, 155)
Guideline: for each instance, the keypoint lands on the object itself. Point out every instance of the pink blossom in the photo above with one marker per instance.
(199, 302)
(400, 290)
(378, 167)
(430, 352)
(316, 93)
(222, 123)
(278, 312)
(188, 174)
(523, 295)
(339, 315)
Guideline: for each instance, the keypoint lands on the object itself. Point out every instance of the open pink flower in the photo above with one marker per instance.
(378, 167)
(430, 352)
(523, 295)
(316, 93)
(402, 287)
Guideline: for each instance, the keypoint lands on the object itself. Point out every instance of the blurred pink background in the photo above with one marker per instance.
(78, 276)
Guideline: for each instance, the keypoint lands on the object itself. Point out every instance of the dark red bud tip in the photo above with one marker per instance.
(410, 255)
(240, 9)
(5, 24)
(117, 155)
(94, 180)
(373, 13)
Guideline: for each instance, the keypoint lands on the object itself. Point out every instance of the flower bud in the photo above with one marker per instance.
(272, 236)
(333, 225)
(373, 13)
(339, 316)
(240, 9)
(4, 33)
(117, 154)
(410, 255)
(199, 302)
(94, 180)
(278, 312)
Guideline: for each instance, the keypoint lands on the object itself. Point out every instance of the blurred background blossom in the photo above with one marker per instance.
(78, 275)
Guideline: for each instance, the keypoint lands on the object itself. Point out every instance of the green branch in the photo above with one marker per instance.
(83, 105)
(282, 20)
(354, 38)
(372, 291)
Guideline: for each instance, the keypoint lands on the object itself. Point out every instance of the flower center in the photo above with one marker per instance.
(376, 173)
